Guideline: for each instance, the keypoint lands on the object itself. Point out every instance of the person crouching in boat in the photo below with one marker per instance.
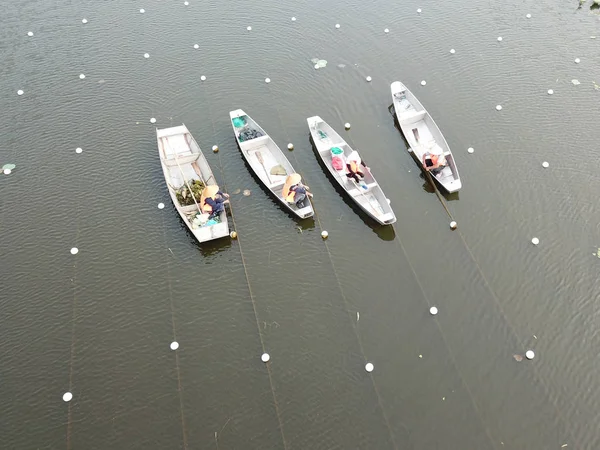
(213, 201)
(353, 170)
(294, 191)
(433, 162)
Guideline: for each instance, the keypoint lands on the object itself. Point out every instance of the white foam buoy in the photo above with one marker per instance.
(500, 39)
(470, 150)
(535, 241)
(249, 28)
(369, 367)
(499, 107)
(290, 146)
(293, 19)
(529, 354)
(337, 25)
(347, 125)
(67, 397)
(453, 225)
(7, 171)
(196, 46)
(577, 60)
(545, 164)
(161, 205)
(83, 20)
(20, 92)
(202, 78)
(423, 83)
(142, 10)
(550, 92)
(174, 345)
(386, 30)
(146, 55)
(186, 3)
(433, 310)
(324, 234)
(81, 76)
(215, 148)
(265, 357)
(74, 251)
(528, 16)
(369, 79)
(267, 80)
(78, 150)
(30, 33)
(452, 51)
(419, 10)
(152, 120)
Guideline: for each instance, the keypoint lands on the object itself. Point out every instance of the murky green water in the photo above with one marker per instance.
(99, 323)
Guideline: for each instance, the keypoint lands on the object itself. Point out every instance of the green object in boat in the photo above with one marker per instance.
(336, 150)
(238, 122)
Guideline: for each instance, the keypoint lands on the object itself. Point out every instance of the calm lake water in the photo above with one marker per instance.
(99, 324)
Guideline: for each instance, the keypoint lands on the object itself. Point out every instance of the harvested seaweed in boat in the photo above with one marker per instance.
(185, 197)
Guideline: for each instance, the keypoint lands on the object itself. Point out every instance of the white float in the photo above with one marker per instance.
(7, 171)
(452, 51)
(433, 310)
(265, 357)
(142, 11)
(470, 150)
(369, 367)
(30, 33)
(423, 83)
(290, 146)
(83, 20)
(453, 225)
(20, 92)
(81, 76)
(500, 39)
(174, 345)
(529, 354)
(202, 78)
(577, 60)
(347, 125)
(249, 28)
(196, 46)
(78, 150)
(550, 92)
(215, 148)
(369, 79)
(535, 241)
(267, 80)
(419, 10)
(545, 164)
(67, 397)
(324, 234)
(293, 19)
(74, 251)
(152, 120)
(146, 55)
(186, 3)
(161, 205)
(499, 107)
(337, 25)
(386, 30)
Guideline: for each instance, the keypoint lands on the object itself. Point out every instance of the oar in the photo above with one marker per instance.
(262, 163)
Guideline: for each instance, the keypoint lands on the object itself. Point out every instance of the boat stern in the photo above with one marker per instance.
(453, 186)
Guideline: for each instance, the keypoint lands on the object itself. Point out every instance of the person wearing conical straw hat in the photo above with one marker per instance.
(294, 191)
(213, 200)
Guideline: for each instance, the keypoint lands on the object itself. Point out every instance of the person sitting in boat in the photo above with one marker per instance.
(213, 201)
(434, 161)
(294, 191)
(353, 170)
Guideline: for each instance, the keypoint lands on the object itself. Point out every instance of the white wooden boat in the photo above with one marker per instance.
(423, 135)
(267, 161)
(369, 195)
(182, 162)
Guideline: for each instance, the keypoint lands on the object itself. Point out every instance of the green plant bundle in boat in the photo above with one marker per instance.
(185, 197)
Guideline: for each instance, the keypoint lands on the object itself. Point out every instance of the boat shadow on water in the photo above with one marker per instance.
(427, 187)
(384, 232)
(305, 224)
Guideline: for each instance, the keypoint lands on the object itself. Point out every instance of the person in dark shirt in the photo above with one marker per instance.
(216, 203)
